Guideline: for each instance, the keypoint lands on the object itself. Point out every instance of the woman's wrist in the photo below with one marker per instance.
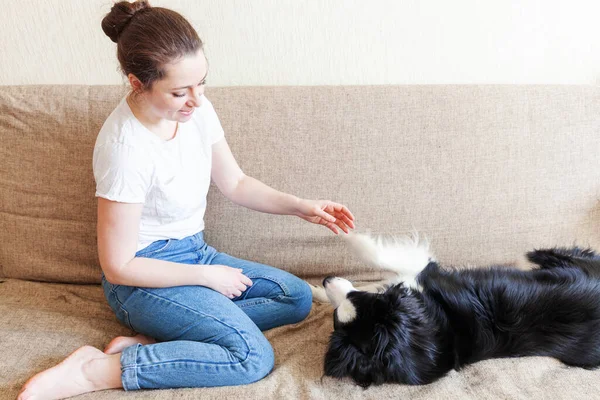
(203, 275)
(296, 205)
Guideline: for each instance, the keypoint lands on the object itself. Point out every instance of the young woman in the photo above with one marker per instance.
(199, 312)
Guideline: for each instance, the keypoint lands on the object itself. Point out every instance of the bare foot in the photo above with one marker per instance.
(87, 369)
(121, 342)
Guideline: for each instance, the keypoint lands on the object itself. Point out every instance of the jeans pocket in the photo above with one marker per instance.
(116, 303)
(109, 290)
(123, 317)
(155, 248)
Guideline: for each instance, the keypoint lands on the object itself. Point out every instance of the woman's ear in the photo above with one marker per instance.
(135, 83)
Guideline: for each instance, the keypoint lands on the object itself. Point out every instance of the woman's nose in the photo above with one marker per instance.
(196, 100)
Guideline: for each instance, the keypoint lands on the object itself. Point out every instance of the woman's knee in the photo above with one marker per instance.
(301, 296)
(260, 360)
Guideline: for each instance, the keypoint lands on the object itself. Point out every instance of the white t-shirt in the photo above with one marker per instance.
(170, 177)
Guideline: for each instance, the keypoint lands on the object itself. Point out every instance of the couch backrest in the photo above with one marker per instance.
(485, 172)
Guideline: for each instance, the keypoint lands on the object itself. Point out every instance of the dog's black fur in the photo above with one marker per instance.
(464, 316)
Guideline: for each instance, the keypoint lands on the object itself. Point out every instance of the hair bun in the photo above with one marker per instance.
(119, 17)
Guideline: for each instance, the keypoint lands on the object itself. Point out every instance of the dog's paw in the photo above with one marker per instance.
(318, 294)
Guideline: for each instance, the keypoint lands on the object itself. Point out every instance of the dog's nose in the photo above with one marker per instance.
(327, 280)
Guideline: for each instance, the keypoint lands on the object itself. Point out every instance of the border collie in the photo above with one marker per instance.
(430, 319)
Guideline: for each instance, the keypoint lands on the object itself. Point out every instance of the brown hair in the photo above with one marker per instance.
(148, 38)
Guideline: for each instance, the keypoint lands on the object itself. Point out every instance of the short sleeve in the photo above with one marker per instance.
(121, 172)
(212, 123)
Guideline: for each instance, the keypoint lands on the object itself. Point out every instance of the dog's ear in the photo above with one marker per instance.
(366, 371)
(344, 359)
(364, 374)
(341, 356)
(381, 340)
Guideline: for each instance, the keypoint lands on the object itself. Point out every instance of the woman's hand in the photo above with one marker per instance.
(325, 212)
(230, 282)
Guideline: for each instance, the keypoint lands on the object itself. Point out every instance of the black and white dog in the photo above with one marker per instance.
(430, 319)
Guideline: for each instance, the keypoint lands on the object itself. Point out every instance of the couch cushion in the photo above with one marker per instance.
(486, 172)
(47, 204)
(42, 323)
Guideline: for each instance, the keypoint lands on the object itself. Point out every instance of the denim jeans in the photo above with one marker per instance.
(204, 338)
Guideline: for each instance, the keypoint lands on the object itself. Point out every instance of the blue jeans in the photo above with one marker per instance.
(204, 338)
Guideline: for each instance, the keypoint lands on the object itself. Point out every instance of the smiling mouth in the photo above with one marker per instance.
(186, 112)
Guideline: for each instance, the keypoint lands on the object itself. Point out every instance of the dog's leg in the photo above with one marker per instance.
(374, 287)
(318, 293)
(405, 256)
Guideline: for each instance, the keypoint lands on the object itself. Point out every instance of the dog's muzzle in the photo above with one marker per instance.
(327, 280)
(337, 289)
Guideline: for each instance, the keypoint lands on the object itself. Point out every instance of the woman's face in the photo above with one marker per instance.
(176, 96)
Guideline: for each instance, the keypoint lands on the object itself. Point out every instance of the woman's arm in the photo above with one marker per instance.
(251, 193)
(245, 190)
(118, 225)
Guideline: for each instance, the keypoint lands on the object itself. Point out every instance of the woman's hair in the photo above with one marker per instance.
(148, 38)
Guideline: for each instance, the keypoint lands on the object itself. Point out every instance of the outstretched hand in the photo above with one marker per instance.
(328, 213)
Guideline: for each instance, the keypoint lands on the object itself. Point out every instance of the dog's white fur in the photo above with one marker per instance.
(405, 256)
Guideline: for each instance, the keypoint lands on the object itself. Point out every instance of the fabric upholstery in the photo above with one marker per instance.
(484, 172)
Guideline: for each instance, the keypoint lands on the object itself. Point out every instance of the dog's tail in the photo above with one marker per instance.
(558, 256)
(562, 257)
(405, 256)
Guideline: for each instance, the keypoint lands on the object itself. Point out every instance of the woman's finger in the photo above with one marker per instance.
(341, 209)
(342, 225)
(246, 281)
(332, 227)
(343, 221)
(325, 215)
(347, 213)
(346, 220)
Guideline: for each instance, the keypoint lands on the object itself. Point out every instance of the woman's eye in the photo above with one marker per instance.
(178, 95)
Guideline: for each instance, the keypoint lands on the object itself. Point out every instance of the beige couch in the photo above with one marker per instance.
(486, 172)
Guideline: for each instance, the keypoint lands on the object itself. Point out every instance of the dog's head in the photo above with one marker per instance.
(378, 337)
